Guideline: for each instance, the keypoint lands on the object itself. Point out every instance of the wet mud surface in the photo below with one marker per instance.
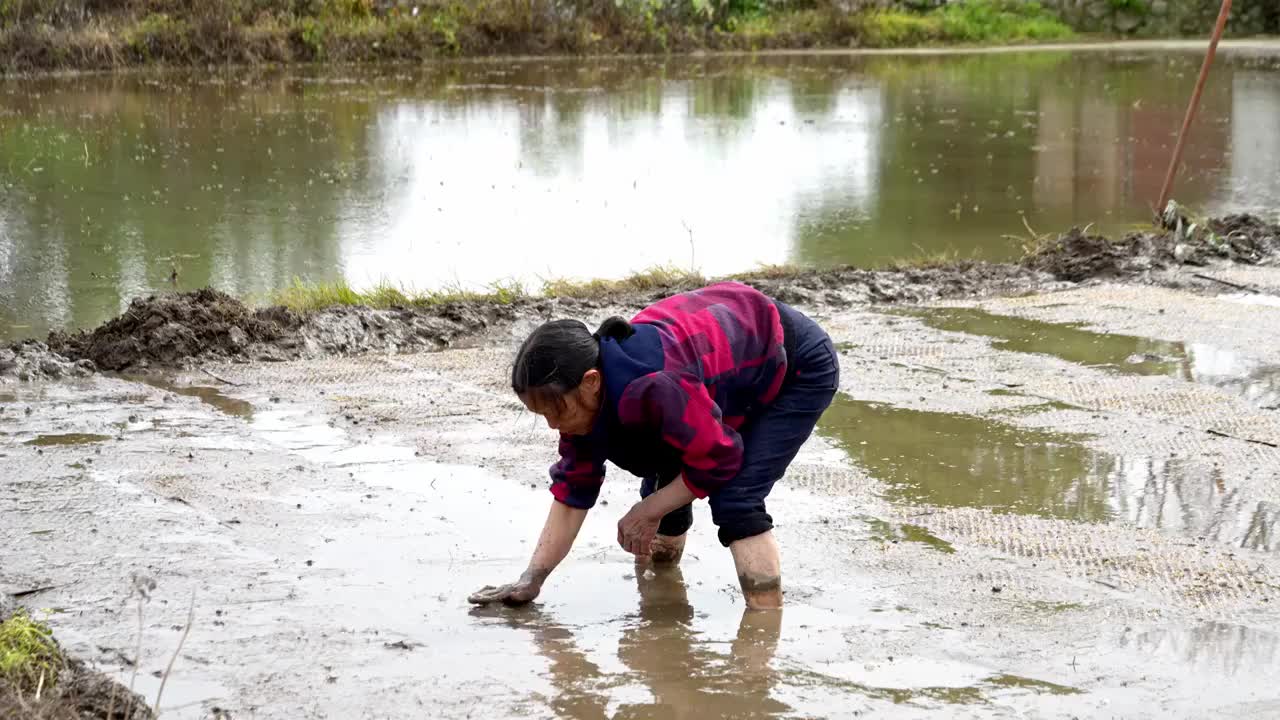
(980, 528)
(177, 329)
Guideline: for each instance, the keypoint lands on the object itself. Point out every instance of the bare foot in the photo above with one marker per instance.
(667, 550)
(759, 571)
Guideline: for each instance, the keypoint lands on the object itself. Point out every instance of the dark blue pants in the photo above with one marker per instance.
(771, 439)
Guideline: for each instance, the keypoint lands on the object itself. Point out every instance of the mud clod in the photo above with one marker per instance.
(33, 360)
(168, 329)
(1077, 256)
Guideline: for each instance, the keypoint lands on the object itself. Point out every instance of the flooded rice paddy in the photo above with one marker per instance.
(1061, 505)
(472, 173)
(977, 529)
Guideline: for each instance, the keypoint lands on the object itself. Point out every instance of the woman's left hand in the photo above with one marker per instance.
(637, 529)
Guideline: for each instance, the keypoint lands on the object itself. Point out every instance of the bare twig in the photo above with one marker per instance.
(1229, 284)
(1026, 224)
(191, 616)
(111, 705)
(693, 257)
(219, 378)
(1229, 436)
(137, 653)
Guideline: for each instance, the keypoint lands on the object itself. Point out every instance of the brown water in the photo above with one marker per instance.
(67, 439)
(469, 173)
(331, 563)
(970, 461)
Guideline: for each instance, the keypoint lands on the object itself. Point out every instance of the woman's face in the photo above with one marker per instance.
(577, 414)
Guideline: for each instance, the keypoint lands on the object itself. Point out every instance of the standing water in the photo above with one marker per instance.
(467, 174)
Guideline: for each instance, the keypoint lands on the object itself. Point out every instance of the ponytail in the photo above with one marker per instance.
(616, 328)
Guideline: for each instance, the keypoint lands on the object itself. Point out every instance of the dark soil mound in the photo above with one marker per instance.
(1245, 238)
(167, 329)
(1077, 256)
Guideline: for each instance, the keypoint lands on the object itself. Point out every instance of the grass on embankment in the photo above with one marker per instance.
(47, 35)
(309, 297)
(306, 297)
(29, 659)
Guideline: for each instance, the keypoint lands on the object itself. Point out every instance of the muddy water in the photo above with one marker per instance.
(988, 461)
(1252, 379)
(67, 439)
(969, 461)
(473, 172)
(331, 563)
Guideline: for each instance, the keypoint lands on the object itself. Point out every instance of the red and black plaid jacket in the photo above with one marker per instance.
(676, 392)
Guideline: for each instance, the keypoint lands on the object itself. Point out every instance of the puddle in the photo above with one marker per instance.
(952, 460)
(967, 461)
(1072, 343)
(209, 395)
(640, 644)
(67, 439)
(892, 681)
(1213, 649)
(890, 532)
(1039, 686)
(1257, 382)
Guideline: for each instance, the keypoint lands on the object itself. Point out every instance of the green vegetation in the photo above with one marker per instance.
(29, 658)
(975, 21)
(656, 278)
(43, 34)
(308, 297)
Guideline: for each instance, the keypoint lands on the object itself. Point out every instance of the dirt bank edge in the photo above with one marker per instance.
(178, 329)
(79, 693)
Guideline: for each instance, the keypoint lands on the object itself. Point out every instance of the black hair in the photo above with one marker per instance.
(554, 358)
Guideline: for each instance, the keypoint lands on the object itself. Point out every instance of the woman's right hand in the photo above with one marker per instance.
(517, 593)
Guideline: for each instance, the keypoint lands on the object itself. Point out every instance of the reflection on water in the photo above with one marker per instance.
(1214, 649)
(969, 461)
(687, 676)
(471, 172)
(1257, 382)
(209, 395)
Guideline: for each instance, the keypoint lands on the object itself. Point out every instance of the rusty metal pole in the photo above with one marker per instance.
(1193, 107)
